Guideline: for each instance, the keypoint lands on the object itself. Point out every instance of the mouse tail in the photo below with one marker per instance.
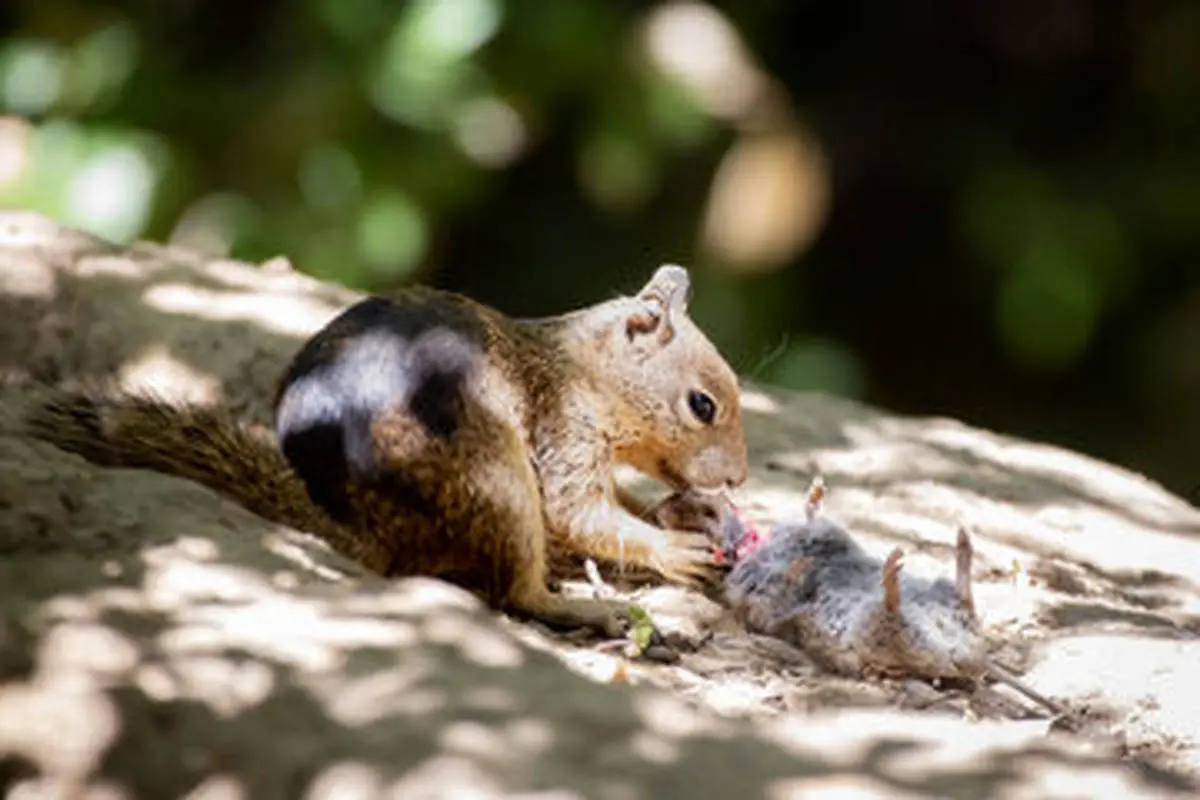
(1001, 675)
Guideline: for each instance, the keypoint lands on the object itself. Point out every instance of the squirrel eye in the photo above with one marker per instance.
(703, 406)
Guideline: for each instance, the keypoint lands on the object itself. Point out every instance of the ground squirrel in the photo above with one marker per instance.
(436, 436)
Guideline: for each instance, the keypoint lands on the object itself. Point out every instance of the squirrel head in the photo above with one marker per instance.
(680, 406)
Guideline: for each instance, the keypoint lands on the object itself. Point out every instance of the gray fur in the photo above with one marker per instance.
(812, 585)
(809, 583)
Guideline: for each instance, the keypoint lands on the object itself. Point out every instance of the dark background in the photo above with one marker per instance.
(983, 209)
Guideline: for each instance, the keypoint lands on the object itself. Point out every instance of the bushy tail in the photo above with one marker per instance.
(207, 445)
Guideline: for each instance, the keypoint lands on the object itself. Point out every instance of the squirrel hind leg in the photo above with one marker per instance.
(525, 548)
(469, 510)
(514, 492)
(532, 597)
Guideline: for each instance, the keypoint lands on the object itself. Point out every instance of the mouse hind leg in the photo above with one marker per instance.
(964, 553)
(890, 578)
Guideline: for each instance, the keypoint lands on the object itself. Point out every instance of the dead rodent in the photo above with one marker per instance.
(810, 584)
(425, 433)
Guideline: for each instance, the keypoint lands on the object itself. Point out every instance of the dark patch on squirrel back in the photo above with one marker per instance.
(415, 355)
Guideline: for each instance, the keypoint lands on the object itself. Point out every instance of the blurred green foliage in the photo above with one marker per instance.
(984, 209)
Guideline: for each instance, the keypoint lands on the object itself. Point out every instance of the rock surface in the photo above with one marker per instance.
(159, 641)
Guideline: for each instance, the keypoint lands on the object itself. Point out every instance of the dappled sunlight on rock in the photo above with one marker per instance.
(110, 267)
(1087, 475)
(673, 718)
(220, 787)
(226, 685)
(1115, 545)
(170, 585)
(489, 698)
(184, 549)
(390, 693)
(278, 277)
(525, 738)
(774, 502)
(293, 316)
(468, 779)
(292, 630)
(417, 596)
(734, 696)
(93, 606)
(799, 738)
(838, 787)
(482, 644)
(60, 720)
(95, 649)
(918, 479)
(1155, 676)
(157, 682)
(599, 667)
(864, 458)
(26, 278)
(932, 750)
(655, 748)
(346, 780)
(300, 550)
(169, 377)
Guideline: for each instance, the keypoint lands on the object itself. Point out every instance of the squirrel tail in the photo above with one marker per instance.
(207, 445)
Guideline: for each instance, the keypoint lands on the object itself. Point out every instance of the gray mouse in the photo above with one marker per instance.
(810, 584)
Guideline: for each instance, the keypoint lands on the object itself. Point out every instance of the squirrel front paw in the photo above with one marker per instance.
(613, 619)
(688, 559)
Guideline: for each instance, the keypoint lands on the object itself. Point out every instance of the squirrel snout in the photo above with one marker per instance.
(739, 477)
(713, 468)
(736, 467)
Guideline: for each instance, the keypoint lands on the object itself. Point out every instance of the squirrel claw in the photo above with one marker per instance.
(688, 559)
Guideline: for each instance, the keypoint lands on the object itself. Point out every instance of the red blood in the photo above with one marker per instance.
(751, 540)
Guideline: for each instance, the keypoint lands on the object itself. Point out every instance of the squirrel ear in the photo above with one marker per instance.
(661, 301)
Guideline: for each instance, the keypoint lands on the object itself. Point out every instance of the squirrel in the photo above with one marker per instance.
(422, 432)
(812, 585)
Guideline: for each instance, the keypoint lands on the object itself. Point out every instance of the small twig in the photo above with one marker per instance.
(599, 587)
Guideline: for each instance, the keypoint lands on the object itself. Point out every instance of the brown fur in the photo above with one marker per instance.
(487, 442)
